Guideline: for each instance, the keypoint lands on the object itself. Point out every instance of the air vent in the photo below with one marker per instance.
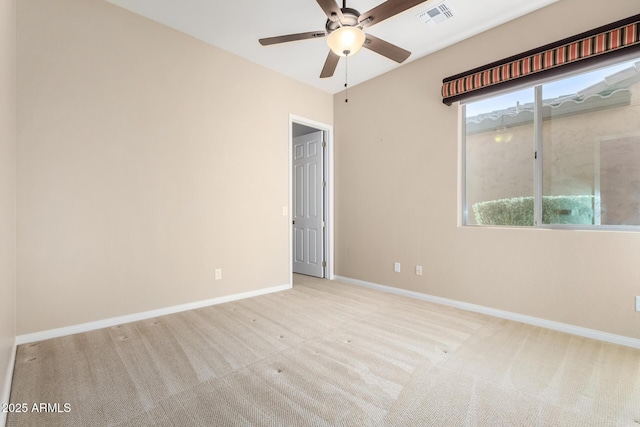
(436, 15)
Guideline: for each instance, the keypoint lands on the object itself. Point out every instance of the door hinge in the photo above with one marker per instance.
(535, 154)
(324, 184)
(324, 263)
(323, 224)
(324, 144)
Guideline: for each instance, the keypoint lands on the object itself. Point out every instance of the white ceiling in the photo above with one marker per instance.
(236, 26)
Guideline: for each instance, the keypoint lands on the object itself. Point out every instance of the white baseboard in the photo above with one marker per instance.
(91, 326)
(549, 324)
(6, 385)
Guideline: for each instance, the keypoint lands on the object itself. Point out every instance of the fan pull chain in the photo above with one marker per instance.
(346, 76)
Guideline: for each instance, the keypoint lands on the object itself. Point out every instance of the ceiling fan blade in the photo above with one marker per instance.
(331, 9)
(292, 37)
(329, 65)
(386, 10)
(385, 48)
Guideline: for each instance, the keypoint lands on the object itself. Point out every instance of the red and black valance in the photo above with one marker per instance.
(619, 38)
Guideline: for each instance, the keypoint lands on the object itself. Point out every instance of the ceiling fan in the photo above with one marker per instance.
(344, 29)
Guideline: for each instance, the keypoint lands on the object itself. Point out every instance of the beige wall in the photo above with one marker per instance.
(397, 195)
(7, 189)
(146, 159)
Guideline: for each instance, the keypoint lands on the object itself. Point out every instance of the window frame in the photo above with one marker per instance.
(537, 151)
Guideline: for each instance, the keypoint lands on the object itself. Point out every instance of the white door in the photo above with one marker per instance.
(308, 233)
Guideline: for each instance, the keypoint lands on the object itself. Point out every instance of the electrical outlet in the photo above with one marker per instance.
(418, 270)
(396, 267)
(218, 274)
(638, 303)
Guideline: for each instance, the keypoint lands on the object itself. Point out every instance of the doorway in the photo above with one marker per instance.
(311, 198)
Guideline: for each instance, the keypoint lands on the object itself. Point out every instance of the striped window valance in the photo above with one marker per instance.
(619, 38)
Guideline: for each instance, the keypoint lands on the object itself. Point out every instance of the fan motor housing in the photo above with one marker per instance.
(350, 20)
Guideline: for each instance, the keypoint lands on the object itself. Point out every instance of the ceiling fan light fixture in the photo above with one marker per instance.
(346, 40)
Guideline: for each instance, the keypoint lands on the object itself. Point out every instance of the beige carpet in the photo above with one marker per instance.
(327, 354)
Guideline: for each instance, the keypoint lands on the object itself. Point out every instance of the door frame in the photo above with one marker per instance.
(328, 194)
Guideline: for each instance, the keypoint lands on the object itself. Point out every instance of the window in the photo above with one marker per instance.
(560, 154)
